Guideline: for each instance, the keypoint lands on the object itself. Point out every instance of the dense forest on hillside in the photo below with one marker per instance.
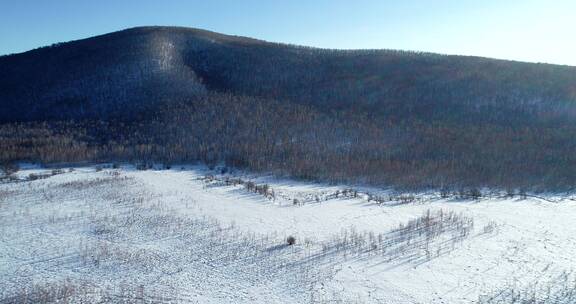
(382, 117)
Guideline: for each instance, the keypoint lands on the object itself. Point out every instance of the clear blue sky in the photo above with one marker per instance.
(527, 30)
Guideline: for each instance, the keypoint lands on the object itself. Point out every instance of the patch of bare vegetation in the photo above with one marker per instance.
(58, 292)
(561, 290)
(108, 254)
(5, 194)
(67, 291)
(419, 240)
(490, 228)
(95, 182)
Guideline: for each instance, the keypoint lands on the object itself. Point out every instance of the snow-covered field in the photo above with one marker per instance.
(190, 235)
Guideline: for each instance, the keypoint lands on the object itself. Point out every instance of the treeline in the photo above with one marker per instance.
(300, 141)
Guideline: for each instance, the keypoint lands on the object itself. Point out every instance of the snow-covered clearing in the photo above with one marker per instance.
(193, 236)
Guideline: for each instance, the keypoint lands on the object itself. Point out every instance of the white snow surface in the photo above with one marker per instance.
(174, 236)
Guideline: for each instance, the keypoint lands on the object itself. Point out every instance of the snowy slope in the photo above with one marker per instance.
(191, 235)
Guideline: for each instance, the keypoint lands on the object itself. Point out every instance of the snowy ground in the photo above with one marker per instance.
(193, 236)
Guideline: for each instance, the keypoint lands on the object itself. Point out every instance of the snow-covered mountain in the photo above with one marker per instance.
(383, 117)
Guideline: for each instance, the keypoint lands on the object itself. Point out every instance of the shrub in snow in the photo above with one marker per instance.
(291, 240)
(143, 166)
(475, 194)
(9, 168)
(490, 227)
(444, 192)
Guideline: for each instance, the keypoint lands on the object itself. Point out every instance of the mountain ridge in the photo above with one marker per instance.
(98, 67)
(240, 38)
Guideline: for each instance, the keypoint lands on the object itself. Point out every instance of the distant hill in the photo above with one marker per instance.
(129, 71)
(375, 116)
